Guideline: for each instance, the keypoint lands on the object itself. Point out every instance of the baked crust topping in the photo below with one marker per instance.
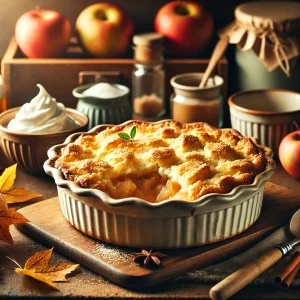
(164, 161)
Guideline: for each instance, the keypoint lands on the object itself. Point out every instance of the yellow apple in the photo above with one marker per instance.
(104, 30)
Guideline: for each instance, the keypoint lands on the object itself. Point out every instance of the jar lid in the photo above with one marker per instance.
(270, 29)
(148, 39)
(278, 12)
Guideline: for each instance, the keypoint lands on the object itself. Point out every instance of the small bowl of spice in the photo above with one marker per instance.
(28, 132)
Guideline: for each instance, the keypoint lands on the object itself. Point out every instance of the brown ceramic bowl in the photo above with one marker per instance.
(29, 150)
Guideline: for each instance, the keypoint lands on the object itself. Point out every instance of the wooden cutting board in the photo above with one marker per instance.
(116, 263)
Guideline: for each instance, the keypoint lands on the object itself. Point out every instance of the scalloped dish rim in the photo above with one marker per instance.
(57, 175)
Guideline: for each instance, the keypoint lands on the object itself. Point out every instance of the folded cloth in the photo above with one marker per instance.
(217, 272)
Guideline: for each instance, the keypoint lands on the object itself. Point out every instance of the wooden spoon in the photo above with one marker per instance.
(239, 279)
(217, 54)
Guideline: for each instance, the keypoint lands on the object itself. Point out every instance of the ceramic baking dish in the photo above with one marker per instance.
(134, 222)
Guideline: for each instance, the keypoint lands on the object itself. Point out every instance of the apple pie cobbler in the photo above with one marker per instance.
(164, 161)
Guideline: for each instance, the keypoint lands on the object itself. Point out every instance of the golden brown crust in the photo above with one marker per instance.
(164, 161)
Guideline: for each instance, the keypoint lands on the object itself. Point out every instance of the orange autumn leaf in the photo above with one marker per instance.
(37, 267)
(19, 194)
(8, 216)
(14, 195)
(3, 203)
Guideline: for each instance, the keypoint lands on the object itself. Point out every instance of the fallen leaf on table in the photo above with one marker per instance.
(7, 178)
(37, 267)
(8, 216)
(14, 195)
(3, 204)
(8, 194)
(19, 194)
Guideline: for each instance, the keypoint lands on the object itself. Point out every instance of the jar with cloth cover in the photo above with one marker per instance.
(268, 39)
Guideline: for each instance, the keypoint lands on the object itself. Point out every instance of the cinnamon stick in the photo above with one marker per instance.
(287, 281)
(288, 269)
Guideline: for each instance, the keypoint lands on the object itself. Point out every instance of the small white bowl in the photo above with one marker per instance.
(267, 114)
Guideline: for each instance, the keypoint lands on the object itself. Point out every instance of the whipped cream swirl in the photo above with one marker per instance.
(42, 115)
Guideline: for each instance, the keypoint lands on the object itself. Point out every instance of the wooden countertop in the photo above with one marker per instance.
(86, 284)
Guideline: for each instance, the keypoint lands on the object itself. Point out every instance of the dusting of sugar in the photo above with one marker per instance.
(111, 254)
(90, 278)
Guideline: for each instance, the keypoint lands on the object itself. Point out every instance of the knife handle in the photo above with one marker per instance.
(240, 278)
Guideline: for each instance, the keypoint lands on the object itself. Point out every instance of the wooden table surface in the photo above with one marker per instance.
(86, 284)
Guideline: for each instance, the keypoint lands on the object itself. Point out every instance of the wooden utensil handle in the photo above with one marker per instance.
(237, 280)
(216, 55)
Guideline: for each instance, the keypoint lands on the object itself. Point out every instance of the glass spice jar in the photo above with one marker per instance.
(148, 77)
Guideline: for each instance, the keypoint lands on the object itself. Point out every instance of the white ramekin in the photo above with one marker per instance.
(136, 223)
(267, 115)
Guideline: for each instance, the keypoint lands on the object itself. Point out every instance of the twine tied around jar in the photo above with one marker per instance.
(275, 43)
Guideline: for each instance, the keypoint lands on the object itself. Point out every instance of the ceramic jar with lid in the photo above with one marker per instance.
(268, 39)
(148, 77)
(104, 110)
(190, 103)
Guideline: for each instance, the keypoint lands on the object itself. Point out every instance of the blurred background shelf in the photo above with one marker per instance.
(61, 75)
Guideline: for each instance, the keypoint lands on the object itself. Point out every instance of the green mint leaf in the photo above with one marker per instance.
(133, 132)
(124, 136)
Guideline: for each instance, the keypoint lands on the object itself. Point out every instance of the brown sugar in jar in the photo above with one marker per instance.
(195, 111)
(193, 104)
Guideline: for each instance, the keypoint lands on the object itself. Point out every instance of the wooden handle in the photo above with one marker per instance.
(217, 54)
(237, 280)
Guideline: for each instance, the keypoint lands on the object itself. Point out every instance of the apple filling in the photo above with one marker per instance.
(153, 188)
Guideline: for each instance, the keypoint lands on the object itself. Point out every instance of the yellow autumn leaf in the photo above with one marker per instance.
(19, 194)
(37, 267)
(7, 178)
(14, 195)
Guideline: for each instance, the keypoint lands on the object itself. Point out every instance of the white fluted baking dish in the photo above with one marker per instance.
(266, 114)
(135, 222)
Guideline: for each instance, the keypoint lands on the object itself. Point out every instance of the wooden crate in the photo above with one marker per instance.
(60, 76)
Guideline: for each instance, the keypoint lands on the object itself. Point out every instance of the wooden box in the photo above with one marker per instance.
(60, 76)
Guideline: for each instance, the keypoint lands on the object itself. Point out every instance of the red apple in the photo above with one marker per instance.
(289, 153)
(43, 33)
(186, 26)
(104, 30)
